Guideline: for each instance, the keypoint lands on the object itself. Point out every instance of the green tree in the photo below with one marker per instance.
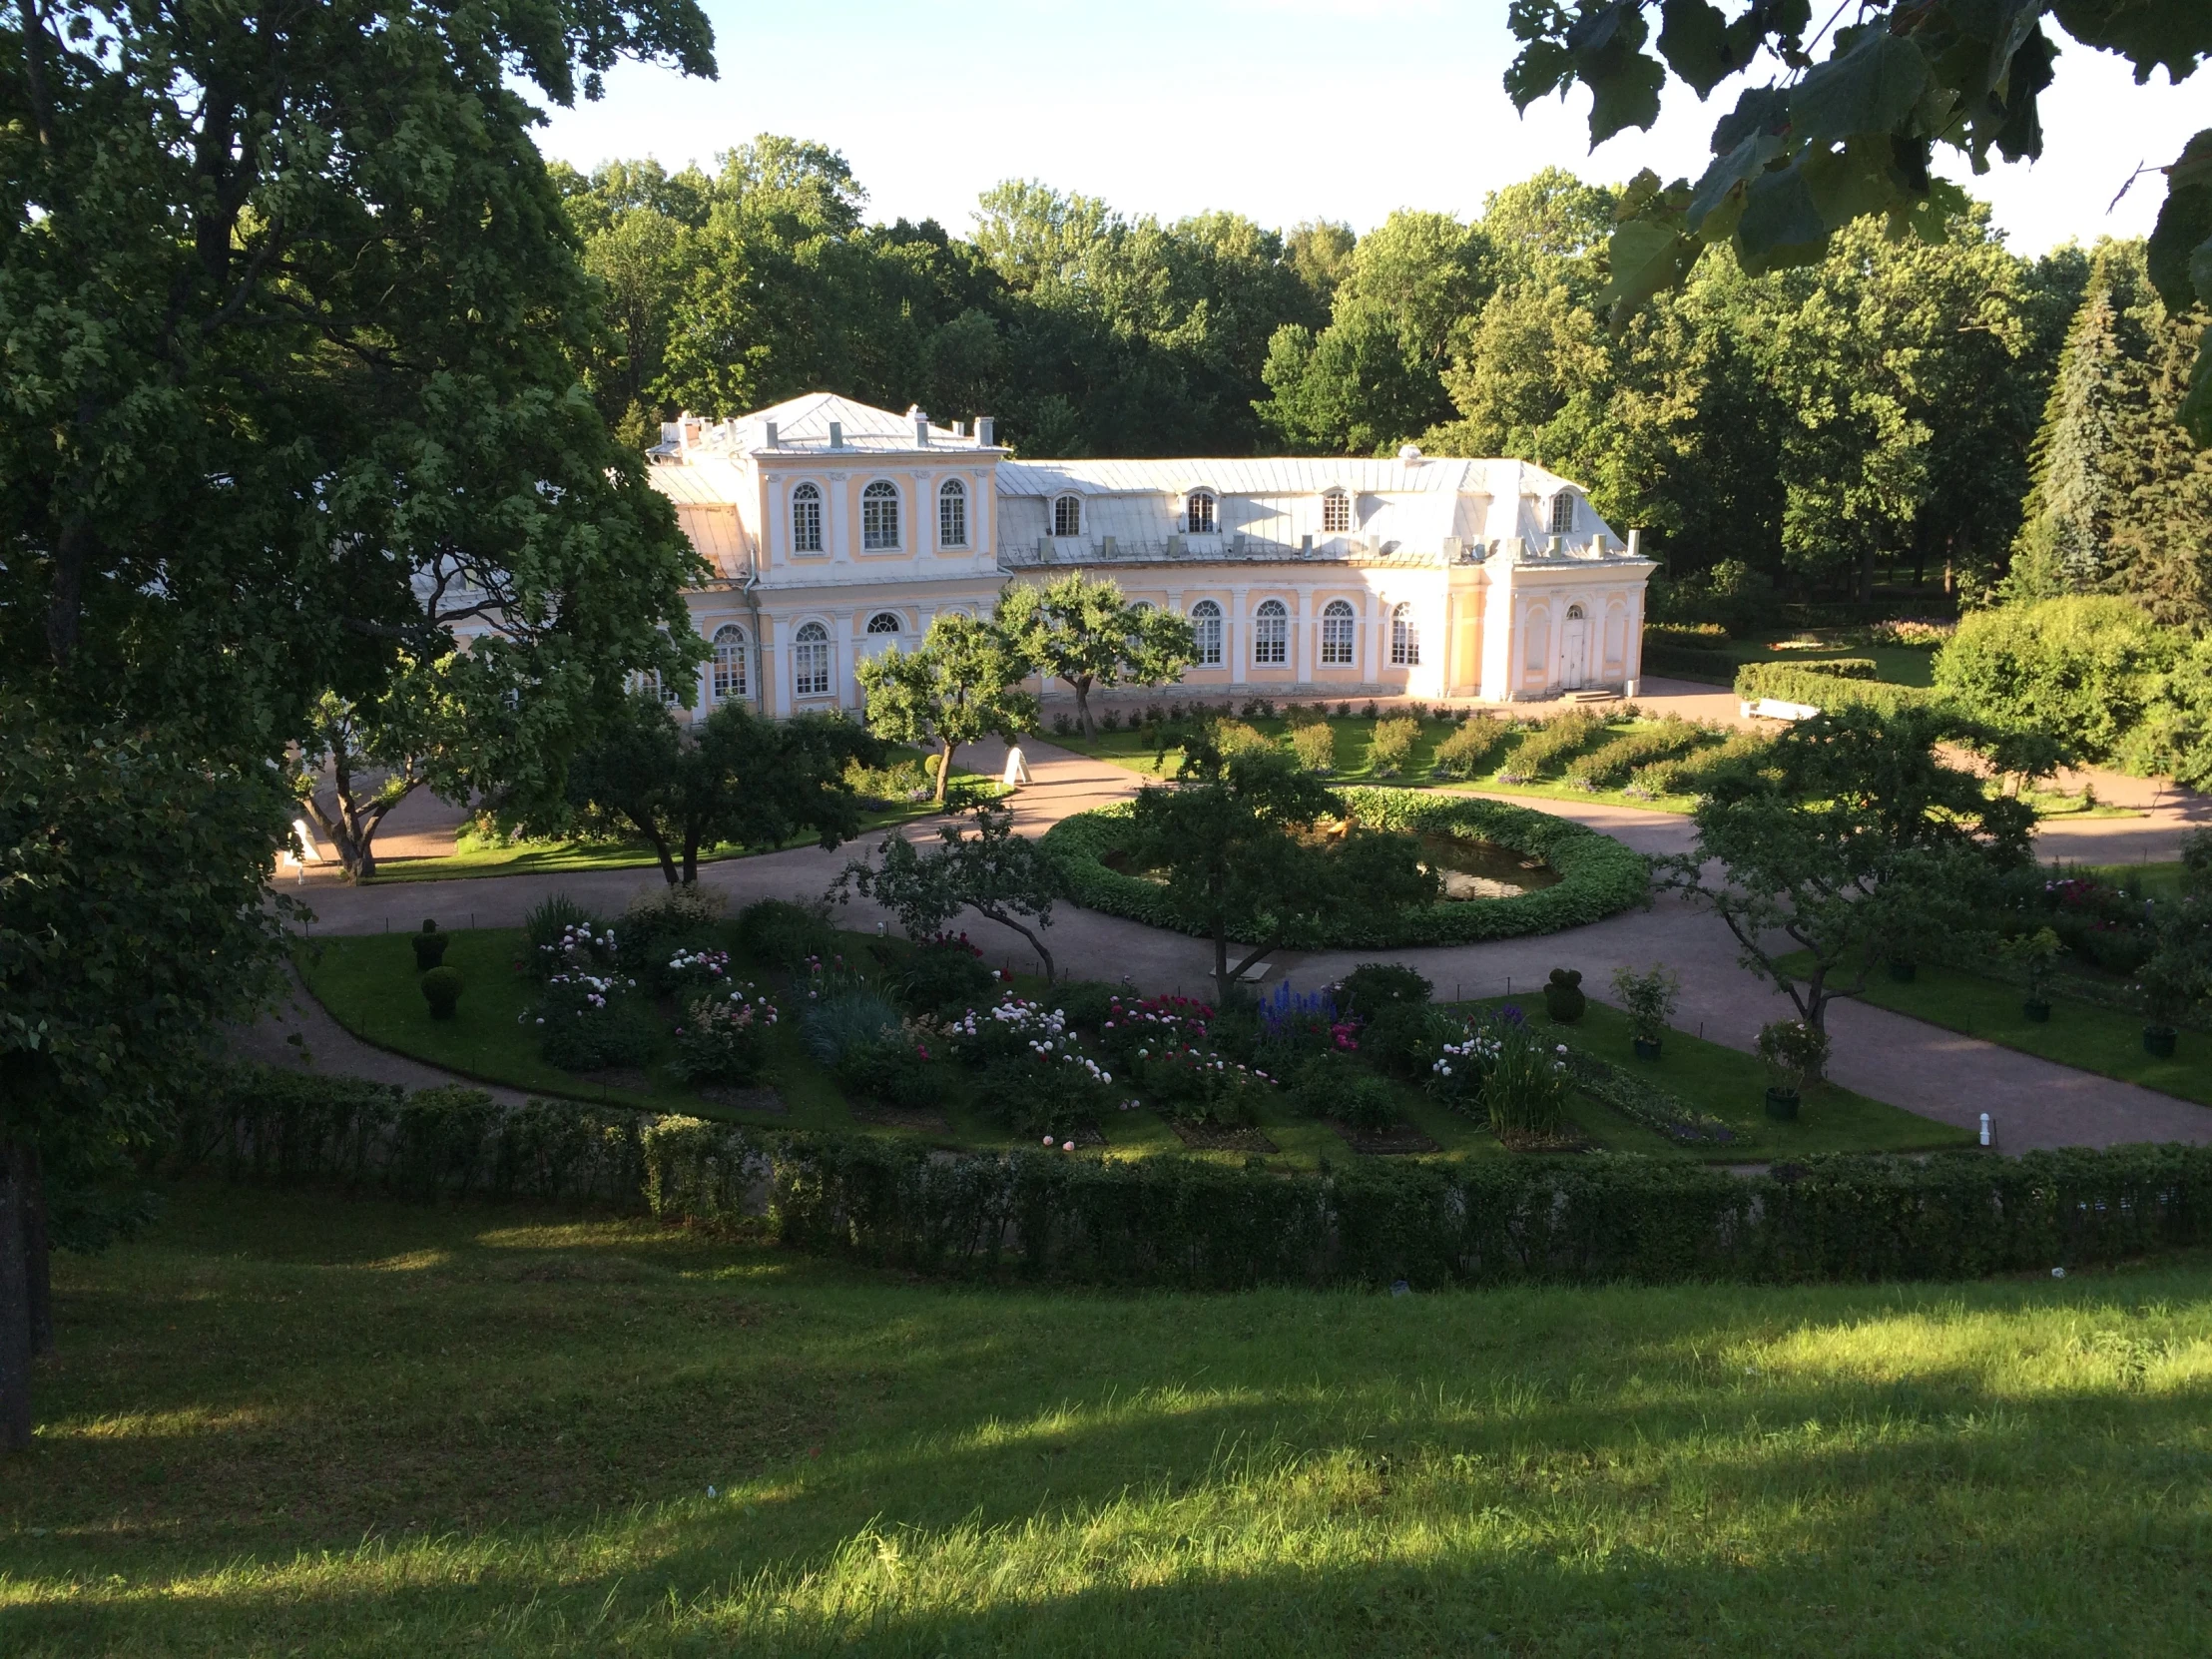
(731, 778)
(135, 923)
(1235, 838)
(963, 683)
(1082, 631)
(1001, 876)
(1852, 841)
(2087, 670)
(378, 753)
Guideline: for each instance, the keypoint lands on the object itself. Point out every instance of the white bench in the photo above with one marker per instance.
(1773, 708)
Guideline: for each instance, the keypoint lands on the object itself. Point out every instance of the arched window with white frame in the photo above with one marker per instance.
(1337, 626)
(811, 661)
(1271, 633)
(806, 519)
(879, 516)
(729, 677)
(1405, 637)
(1562, 513)
(1067, 515)
(1200, 515)
(886, 622)
(952, 513)
(1206, 633)
(1336, 513)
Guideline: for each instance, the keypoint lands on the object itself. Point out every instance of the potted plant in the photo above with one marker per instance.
(1650, 999)
(1795, 1054)
(2036, 955)
(1563, 998)
(2165, 985)
(429, 948)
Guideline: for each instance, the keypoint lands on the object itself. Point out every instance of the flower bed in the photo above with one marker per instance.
(1599, 877)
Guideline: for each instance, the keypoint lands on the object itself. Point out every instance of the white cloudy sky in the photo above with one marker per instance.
(1281, 109)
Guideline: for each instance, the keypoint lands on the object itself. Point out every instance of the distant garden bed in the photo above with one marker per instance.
(1598, 876)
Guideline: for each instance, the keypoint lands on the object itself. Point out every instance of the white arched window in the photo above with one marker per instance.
(729, 672)
(1271, 632)
(1206, 633)
(1336, 513)
(952, 514)
(1067, 515)
(806, 519)
(1201, 514)
(811, 661)
(1574, 613)
(1336, 623)
(886, 622)
(1404, 638)
(880, 515)
(1562, 513)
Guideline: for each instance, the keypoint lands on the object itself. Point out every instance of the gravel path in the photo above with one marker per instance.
(1937, 1073)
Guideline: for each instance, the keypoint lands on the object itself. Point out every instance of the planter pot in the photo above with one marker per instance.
(2039, 1013)
(1903, 972)
(1648, 1048)
(2158, 1040)
(1782, 1104)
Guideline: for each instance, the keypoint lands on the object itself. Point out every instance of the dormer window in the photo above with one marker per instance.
(1562, 513)
(1336, 513)
(1067, 515)
(1200, 513)
(807, 519)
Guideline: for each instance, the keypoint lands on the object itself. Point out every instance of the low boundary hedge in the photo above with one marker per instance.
(1792, 683)
(1191, 1223)
(1599, 877)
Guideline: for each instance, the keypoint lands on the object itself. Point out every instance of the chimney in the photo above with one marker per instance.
(922, 427)
(768, 428)
(836, 435)
(1635, 544)
(984, 426)
(959, 428)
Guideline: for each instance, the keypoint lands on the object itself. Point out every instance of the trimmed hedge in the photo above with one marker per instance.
(1688, 661)
(1792, 683)
(1599, 877)
(1189, 1223)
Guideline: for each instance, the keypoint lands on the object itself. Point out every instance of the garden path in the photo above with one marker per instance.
(1941, 1074)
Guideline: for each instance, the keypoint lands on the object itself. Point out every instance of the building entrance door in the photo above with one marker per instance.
(1574, 652)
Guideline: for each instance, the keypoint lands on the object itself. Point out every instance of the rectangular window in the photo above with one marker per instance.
(1270, 638)
(1206, 635)
(879, 517)
(1336, 513)
(811, 668)
(953, 519)
(1336, 637)
(806, 523)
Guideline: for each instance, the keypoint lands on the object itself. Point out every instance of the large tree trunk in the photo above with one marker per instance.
(1087, 725)
(944, 768)
(17, 1180)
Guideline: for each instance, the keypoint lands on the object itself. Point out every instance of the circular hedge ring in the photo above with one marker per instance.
(1598, 876)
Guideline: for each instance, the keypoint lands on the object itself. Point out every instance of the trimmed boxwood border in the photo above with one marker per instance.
(1599, 877)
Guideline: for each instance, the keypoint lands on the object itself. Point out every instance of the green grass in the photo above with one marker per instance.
(1127, 748)
(368, 985)
(474, 858)
(2146, 880)
(292, 1424)
(2085, 1035)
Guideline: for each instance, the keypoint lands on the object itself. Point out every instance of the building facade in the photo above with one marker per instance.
(835, 530)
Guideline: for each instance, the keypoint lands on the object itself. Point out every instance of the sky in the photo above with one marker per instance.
(1282, 110)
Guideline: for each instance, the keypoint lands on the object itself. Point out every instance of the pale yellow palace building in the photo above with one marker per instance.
(834, 530)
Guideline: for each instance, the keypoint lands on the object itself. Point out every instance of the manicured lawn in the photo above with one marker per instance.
(295, 1423)
(2085, 1035)
(368, 983)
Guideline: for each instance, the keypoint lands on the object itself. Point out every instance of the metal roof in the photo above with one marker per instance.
(1247, 475)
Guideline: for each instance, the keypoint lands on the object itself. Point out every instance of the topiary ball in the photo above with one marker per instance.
(1563, 998)
(441, 988)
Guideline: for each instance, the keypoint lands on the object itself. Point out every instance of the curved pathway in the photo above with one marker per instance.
(1937, 1073)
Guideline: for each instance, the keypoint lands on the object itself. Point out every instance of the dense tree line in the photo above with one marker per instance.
(1876, 408)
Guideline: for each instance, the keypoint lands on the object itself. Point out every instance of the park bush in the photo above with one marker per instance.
(723, 1037)
(1805, 682)
(1608, 765)
(657, 926)
(778, 933)
(550, 931)
(1552, 744)
(1468, 750)
(945, 974)
(1600, 876)
(1403, 1038)
(430, 946)
(847, 1017)
(1687, 774)
(441, 988)
(587, 1022)
(1391, 745)
(1372, 987)
(1192, 1223)
(1314, 744)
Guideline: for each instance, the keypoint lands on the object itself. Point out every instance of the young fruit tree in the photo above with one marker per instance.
(963, 683)
(731, 778)
(361, 760)
(1849, 841)
(1001, 876)
(1083, 632)
(1248, 846)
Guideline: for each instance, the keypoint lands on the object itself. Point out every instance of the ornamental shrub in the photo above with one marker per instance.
(1564, 1001)
(1403, 1038)
(441, 988)
(1469, 751)
(1368, 1103)
(778, 933)
(1552, 744)
(1686, 774)
(1372, 987)
(1155, 1022)
(1235, 736)
(845, 1019)
(1649, 998)
(944, 975)
(430, 946)
(1088, 1003)
(2084, 669)
(1805, 682)
(589, 1021)
(1314, 744)
(725, 1036)
(1201, 1085)
(896, 1069)
(687, 971)
(1610, 764)
(1525, 1093)
(550, 921)
(1391, 745)
(657, 926)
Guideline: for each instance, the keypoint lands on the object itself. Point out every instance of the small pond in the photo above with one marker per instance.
(1483, 869)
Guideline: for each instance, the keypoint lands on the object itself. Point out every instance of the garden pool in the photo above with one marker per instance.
(1475, 870)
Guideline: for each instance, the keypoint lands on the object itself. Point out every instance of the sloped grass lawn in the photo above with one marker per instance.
(2085, 1035)
(295, 1423)
(1128, 748)
(370, 986)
